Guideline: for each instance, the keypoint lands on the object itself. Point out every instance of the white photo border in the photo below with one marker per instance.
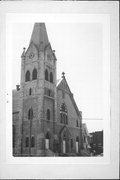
(108, 162)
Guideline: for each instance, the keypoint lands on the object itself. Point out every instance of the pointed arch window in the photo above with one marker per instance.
(63, 114)
(33, 141)
(30, 114)
(27, 142)
(77, 124)
(48, 114)
(27, 76)
(34, 74)
(46, 75)
(30, 91)
(51, 77)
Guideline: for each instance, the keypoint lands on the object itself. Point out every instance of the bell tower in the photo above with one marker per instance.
(38, 94)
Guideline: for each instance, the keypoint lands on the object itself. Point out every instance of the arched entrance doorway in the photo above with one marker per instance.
(64, 139)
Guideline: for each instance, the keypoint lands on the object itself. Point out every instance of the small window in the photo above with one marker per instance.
(33, 141)
(27, 76)
(27, 142)
(30, 91)
(34, 74)
(61, 117)
(30, 114)
(51, 77)
(64, 118)
(63, 114)
(46, 75)
(66, 122)
(48, 114)
(77, 123)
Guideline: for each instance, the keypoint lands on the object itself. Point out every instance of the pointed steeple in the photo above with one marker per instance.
(39, 35)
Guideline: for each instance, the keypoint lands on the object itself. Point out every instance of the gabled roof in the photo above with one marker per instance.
(62, 82)
(58, 81)
(39, 35)
(67, 89)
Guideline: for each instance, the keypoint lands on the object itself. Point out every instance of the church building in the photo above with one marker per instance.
(46, 119)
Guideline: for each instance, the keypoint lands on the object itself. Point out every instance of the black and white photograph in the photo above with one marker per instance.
(60, 93)
(47, 120)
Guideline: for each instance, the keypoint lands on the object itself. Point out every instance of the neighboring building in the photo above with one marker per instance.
(96, 142)
(46, 119)
(86, 141)
(86, 137)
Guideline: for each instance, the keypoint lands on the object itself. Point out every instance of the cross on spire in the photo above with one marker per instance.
(23, 53)
(63, 75)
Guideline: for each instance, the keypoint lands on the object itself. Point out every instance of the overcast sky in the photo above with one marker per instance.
(78, 48)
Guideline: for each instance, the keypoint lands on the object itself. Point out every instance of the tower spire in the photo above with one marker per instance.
(39, 35)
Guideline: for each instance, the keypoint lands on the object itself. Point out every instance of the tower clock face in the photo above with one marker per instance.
(31, 55)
